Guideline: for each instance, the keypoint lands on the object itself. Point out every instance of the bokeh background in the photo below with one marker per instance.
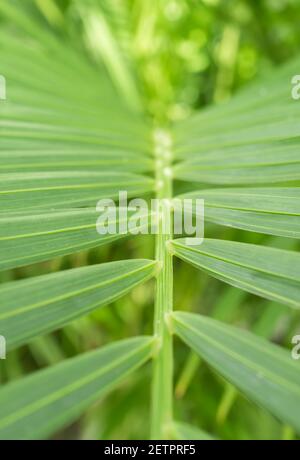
(182, 55)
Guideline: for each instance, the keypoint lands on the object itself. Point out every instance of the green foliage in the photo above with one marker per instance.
(48, 302)
(274, 211)
(262, 371)
(240, 264)
(104, 96)
(73, 386)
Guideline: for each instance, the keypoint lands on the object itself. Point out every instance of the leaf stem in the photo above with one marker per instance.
(162, 385)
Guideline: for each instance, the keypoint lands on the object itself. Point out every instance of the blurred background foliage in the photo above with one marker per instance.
(169, 58)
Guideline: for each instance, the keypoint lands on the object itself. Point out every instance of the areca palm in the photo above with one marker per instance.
(73, 132)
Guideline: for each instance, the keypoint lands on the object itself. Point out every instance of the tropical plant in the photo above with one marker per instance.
(74, 130)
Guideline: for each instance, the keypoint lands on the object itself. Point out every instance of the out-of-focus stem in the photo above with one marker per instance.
(162, 385)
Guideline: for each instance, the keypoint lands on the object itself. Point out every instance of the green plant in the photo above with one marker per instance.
(68, 138)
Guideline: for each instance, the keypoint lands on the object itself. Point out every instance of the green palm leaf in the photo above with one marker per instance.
(57, 190)
(274, 211)
(49, 302)
(262, 371)
(39, 405)
(75, 128)
(32, 237)
(257, 269)
(88, 159)
(257, 164)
